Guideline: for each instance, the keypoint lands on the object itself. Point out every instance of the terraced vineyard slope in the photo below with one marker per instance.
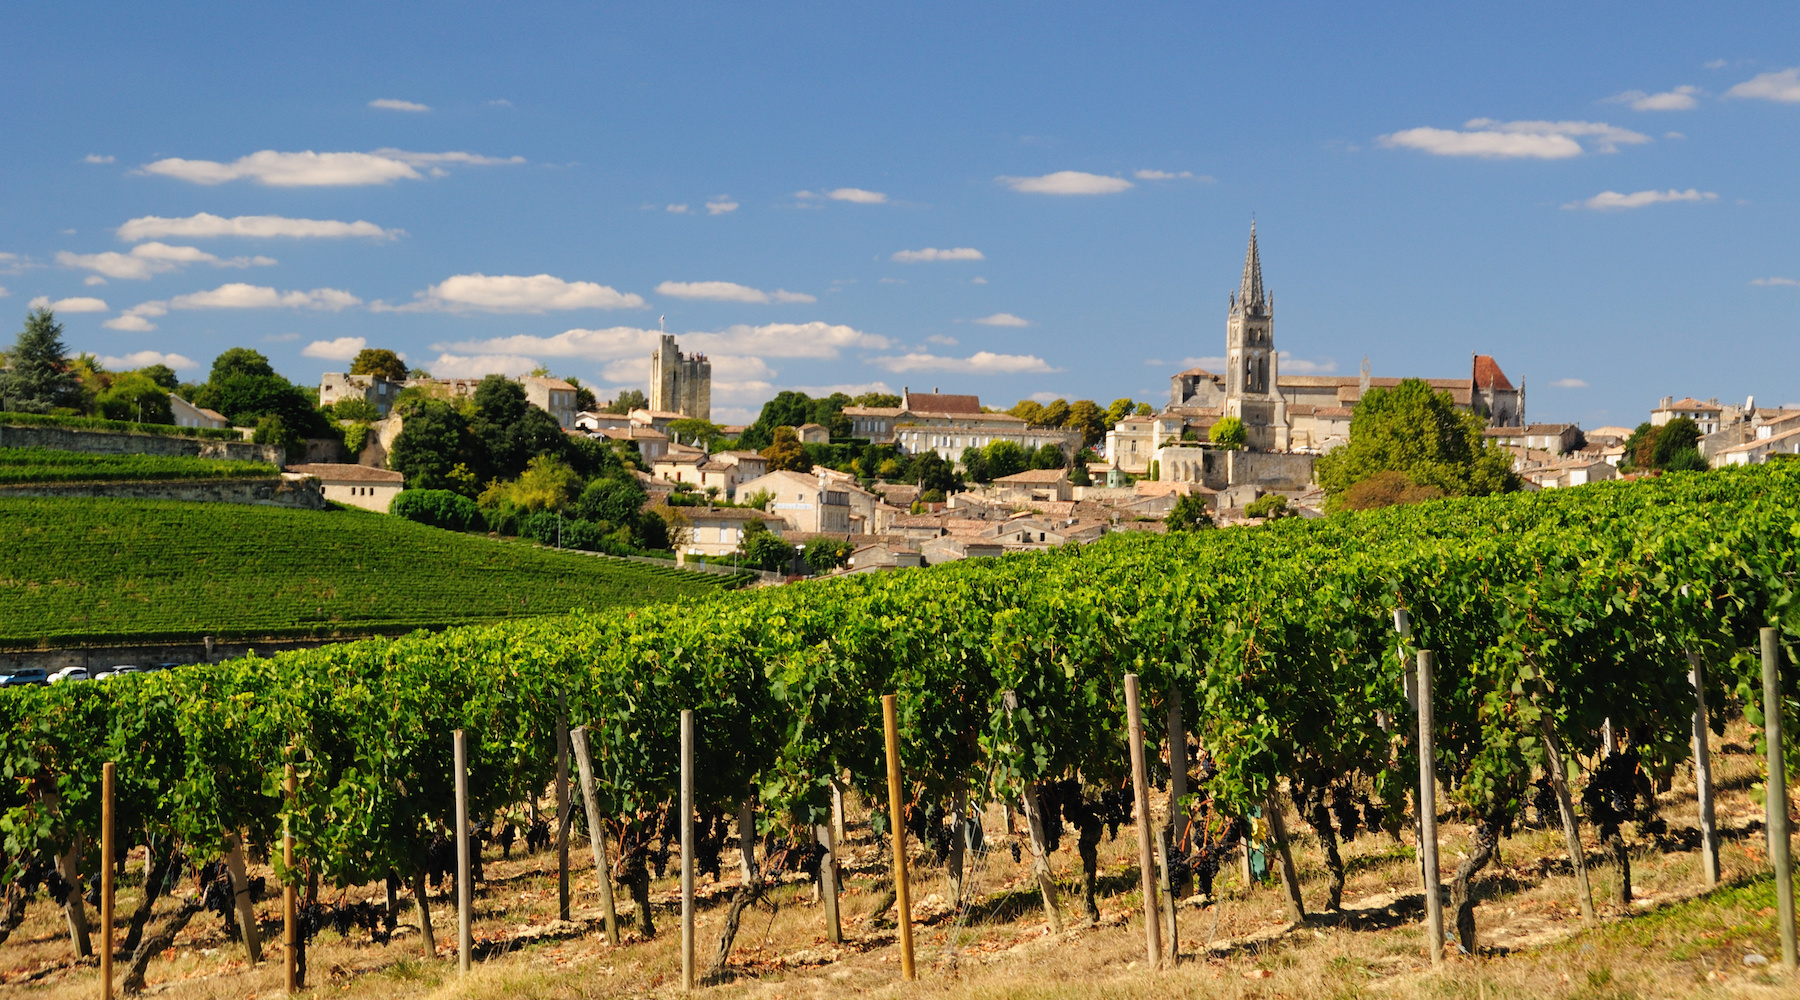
(79, 571)
(44, 465)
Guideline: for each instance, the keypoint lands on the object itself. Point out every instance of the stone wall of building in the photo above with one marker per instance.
(113, 443)
(1270, 470)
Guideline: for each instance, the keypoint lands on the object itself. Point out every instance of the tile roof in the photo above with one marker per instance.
(1488, 374)
(934, 402)
(1691, 403)
(1035, 476)
(345, 472)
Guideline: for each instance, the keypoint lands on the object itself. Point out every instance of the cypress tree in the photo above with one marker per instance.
(39, 378)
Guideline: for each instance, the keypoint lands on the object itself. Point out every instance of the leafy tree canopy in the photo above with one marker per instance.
(1384, 489)
(882, 399)
(39, 378)
(135, 396)
(786, 452)
(1228, 433)
(379, 361)
(162, 375)
(1188, 514)
(630, 399)
(1421, 433)
(240, 361)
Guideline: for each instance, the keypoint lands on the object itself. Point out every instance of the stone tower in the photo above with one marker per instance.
(1250, 360)
(680, 384)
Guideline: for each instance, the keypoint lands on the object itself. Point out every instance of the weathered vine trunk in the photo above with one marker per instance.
(240, 897)
(741, 898)
(156, 944)
(638, 878)
(1087, 845)
(1320, 820)
(428, 939)
(1487, 837)
(14, 914)
(1621, 858)
(155, 882)
(1040, 855)
(953, 866)
(391, 918)
(74, 907)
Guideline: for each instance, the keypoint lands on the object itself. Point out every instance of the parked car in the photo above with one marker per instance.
(69, 674)
(24, 676)
(119, 668)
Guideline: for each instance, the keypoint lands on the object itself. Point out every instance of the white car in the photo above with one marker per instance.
(69, 674)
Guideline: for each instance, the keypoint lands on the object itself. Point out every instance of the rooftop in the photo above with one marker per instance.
(1035, 476)
(935, 402)
(344, 472)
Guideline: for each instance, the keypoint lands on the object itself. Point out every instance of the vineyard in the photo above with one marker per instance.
(1563, 626)
(44, 465)
(84, 571)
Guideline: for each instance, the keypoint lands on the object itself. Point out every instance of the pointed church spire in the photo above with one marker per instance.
(1250, 291)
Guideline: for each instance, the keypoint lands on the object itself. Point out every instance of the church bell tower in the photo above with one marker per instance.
(1250, 360)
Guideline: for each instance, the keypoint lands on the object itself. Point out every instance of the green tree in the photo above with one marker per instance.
(1119, 410)
(379, 361)
(1086, 416)
(1048, 456)
(585, 400)
(1413, 430)
(439, 508)
(1188, 514)
(1228, 433)
(626, 401)
(827, 554)
(1384, 489)
(510, 431)
(763, 548)
(692, 430)
(614, 500)
(1056, 413)
(1029, 410)
(1676, 447)
(240, 361)
(786, 452)
(880, 399)
(1078, 475)
(352, 408)
(434, 443)
(929, 471)
(162, 375)
(1269, 507)
(135, 396)
(1006, 458)
(1144, 410)
(38, 378)
(974, 463)
(1640, 448)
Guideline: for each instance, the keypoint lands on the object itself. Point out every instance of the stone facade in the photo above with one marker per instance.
(552, 395)
(680, 383)
(355, 485)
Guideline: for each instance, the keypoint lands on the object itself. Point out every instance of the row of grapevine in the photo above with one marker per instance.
(1550, 615)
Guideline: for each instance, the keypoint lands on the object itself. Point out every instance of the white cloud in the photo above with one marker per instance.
(93, 279)
(238, 295)
(933, 253)
(1045, 397)
(891, 281)
(938, 338)
(130, 323)
(283, 338)
(1716, 64)
(1775, 281)
(1165, 175)
(74, 305)
(678, 209)
(203, 225)
(978, 280)
(728, 291)
(721, 205)
(1569, 383)
(1487, 137)
(142, 359)
(147, 259)
(1210, 364)
(515, 293)
(773, 340)
(1781, 86)
(1679, 99)
(1067, 182)
(857, 195)
(391, 104)
(340, 349)
(1606, 200)
(3, 292)
(1002, 319)
(1291, 365)
(97, 158)
(311, 169)
(477, 366)
(981, 362)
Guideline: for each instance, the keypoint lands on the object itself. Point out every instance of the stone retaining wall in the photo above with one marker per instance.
(287, 490)
(112, 443)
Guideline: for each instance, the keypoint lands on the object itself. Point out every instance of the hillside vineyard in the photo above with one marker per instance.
(1549, 614)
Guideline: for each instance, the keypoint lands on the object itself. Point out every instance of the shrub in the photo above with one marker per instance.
(1270, 507)
(439, 508)
(1384, 489)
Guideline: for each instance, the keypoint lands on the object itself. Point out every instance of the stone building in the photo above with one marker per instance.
(947, 423)
(552, 395)
(355, 485)
(680, 383)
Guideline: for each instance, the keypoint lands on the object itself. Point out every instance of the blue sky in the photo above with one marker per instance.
(824, 195)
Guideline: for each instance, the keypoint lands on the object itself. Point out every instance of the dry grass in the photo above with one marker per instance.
(1674, 942)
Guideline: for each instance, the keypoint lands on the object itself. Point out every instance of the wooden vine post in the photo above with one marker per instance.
(1703, 785)
(897, 817)
(1146, 857)
(465, 893)
(1168, 895)
(828, 883)
(290, 916)
(564, 808)
(590, 802)
(106, 880)
(1177, 771)
(1776, 797)
(1428, 838)
(687, 849)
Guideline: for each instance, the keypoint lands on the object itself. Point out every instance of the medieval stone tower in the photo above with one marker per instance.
(1250, 360)
(680, 384)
